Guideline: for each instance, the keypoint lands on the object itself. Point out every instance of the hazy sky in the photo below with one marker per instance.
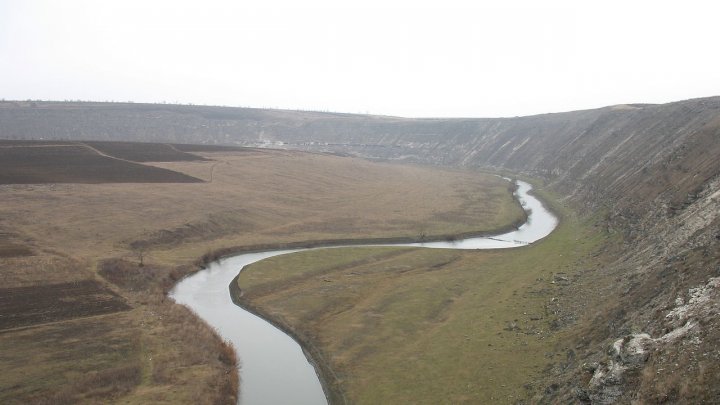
(409, 58)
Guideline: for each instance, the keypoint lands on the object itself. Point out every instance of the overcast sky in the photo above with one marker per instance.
(409, 58)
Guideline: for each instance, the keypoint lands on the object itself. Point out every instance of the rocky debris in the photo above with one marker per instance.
(511, 326)
(631, 352)
(702, 302)
(560, 279)
(606, 384)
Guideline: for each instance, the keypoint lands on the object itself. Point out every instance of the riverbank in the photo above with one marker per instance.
(519, 219)
(219, 254)
(328, 379)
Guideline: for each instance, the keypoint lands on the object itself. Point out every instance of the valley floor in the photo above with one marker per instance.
(104, 255)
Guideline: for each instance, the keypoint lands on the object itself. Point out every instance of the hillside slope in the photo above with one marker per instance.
(649, 329)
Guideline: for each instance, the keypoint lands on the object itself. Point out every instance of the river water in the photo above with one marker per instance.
(274, 369)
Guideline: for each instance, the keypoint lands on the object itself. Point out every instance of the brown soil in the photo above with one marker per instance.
(25, 306)
(9, 249)
(33, 164)
(144, 152)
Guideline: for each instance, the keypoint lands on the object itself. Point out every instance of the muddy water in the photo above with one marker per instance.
(274, 369)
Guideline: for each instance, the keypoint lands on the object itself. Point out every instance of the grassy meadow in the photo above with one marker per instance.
(123, 245)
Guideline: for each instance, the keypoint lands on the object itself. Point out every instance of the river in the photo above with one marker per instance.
(274, 369)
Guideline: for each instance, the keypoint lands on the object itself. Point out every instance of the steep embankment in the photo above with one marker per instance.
(650, 172)
(653, 173)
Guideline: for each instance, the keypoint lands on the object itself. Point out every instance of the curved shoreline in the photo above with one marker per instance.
(223, 253)
(328, 380)
(316, 357)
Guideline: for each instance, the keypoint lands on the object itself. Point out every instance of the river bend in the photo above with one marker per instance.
(274, 369)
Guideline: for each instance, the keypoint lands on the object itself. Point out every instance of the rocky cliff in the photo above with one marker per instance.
(649, 173)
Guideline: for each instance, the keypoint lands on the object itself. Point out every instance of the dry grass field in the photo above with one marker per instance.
(11, 248)
(24, 306)
(255, 198)
(78, 244)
